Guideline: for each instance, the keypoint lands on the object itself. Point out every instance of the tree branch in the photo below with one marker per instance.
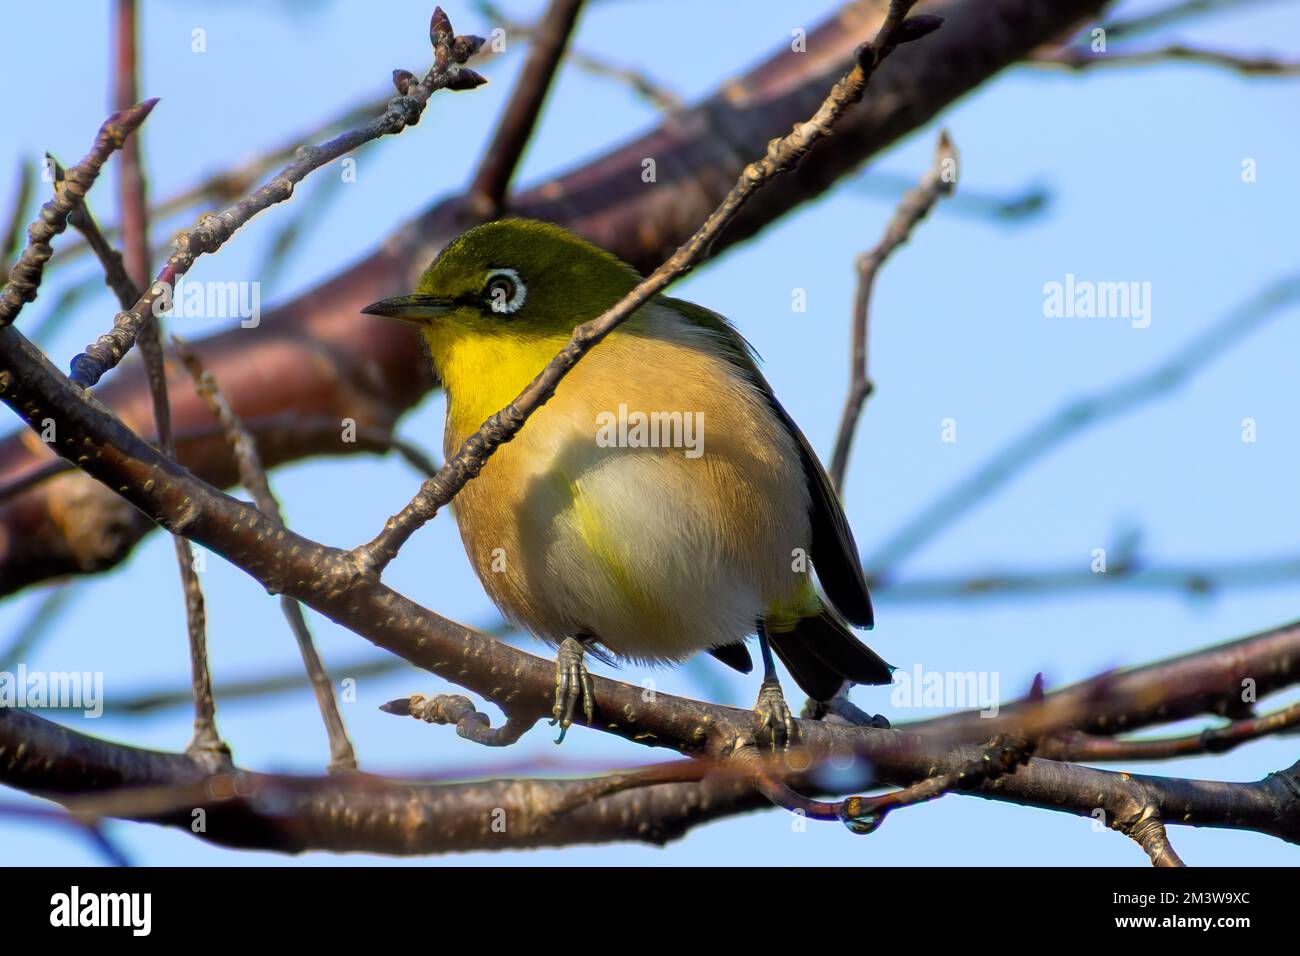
(212, 232)
(25, 275)
(315, 357)
(916, 205)
(253, 477)
(485, 198)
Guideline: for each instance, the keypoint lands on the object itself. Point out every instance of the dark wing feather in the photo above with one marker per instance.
(735, 656)
(834, 553)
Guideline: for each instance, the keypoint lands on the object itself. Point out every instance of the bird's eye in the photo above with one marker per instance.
(504, 291)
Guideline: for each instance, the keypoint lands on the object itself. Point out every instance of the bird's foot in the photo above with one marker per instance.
(572, 685)
(774, 716)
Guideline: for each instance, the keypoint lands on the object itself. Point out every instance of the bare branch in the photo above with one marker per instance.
(1211, 740)
(213, 231)
(1173, 13)
(1080, 58)
(206, 741)
(916, 205)
(274, 434)
(253, 477)
(486, 196)
(25, 275)
(13, 231)
(38, 625)
(1210, 681)
(1193, 578)
(658, 95)
(1077, 416)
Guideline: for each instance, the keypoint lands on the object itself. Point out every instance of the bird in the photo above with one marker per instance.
(662, 503)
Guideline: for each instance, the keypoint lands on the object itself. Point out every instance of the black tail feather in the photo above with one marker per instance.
(821, 653)
(735, 656)
(818, 680)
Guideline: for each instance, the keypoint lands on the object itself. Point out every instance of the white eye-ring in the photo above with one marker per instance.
(505, 291)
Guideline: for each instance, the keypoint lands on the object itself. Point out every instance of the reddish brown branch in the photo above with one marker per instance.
(1211, 740)
(487, 192)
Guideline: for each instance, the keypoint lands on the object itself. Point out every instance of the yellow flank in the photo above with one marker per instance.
(604, 544)
(784, 614)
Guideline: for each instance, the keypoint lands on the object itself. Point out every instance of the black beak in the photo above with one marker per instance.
(415, 308)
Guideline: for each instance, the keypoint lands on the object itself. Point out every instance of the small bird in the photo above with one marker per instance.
(662, 502)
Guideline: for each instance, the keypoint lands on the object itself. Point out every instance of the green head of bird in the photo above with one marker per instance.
(515, 279)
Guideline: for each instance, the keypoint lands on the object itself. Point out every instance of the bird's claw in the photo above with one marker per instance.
(774, 716)
(572, 684)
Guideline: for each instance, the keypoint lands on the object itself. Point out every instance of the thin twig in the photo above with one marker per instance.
(25, 275)
(782, 155)
(1014, 208)
(1162, 17)
(38, 624)
(1211, 740)
(1081, 58)
(207, 741)
(487, 192)
(939, 181)
(863, 814)
(1193, 579)
(1076, 416)
(132, 272)
(13, 232)
(228, 185)
(658, 95)
(266, 685)
(253, 477)
(212, 232)
(91, 830)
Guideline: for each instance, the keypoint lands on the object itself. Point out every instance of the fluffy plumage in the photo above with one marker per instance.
(654, 554)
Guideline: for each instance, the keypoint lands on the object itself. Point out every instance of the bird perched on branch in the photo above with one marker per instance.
(662, 502)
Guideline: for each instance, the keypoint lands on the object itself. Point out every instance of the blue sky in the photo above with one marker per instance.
(1143, 167)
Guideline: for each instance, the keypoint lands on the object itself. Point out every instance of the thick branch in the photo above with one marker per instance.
(521, 684)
